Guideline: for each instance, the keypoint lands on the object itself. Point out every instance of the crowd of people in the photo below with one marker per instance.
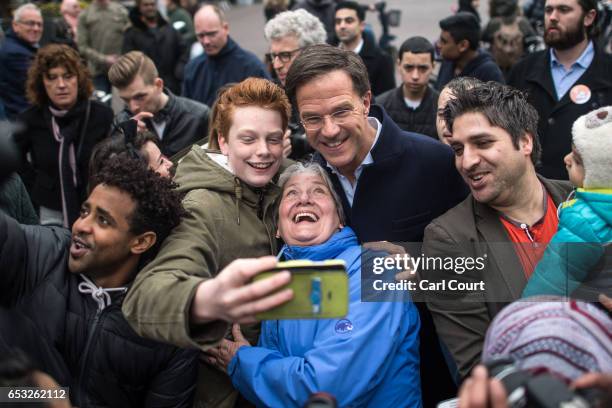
(130, 232)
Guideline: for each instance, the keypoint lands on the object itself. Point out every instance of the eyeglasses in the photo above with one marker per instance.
(30, 23)
(339, 118)
(284, 56)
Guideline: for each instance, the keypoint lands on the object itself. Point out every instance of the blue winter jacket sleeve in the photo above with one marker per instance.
(347, 365)
(572, 252)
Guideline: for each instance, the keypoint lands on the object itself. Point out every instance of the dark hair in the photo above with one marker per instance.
(54, 56)
(466, 5)
(353, 5)
(416, 45)
(158, 202)
(502, 105)
(463, 26)
(115, 145)
(320, 59)
(588, 5)
(462, 84)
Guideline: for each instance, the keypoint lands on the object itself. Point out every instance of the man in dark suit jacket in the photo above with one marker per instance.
(391, 183)
(500, 231)
(350, 25)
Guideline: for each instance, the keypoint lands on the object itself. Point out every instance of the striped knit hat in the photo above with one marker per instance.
(567, 338)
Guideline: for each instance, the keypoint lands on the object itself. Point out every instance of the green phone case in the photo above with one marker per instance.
(320, 290)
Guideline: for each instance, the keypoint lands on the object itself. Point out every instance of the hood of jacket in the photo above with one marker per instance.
(135, 19)
(208, 169)
(339, 242)
(600, 201)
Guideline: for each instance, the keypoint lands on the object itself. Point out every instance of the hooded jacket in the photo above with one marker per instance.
(205, 74)
(162, 44)
(370, 358)
(482, 67)
(226, 220)
(83, 345)
(585, 228)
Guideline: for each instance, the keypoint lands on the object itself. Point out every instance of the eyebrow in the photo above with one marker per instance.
(106, 214)
(479, 136)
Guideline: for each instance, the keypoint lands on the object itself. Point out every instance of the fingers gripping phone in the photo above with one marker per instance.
(320, 290)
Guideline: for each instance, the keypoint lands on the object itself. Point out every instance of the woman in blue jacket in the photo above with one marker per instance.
(368, 358)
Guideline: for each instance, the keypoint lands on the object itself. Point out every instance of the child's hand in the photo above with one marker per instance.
(606, 301)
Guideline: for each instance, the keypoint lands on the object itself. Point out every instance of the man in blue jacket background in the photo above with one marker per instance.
(16, 55)
(223, 60)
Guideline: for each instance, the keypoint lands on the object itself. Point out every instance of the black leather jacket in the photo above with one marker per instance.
(93, 352)
(186, 123)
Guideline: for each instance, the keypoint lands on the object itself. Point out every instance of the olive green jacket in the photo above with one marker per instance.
(226, 220)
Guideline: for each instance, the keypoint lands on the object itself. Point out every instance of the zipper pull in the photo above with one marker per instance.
(525, 228)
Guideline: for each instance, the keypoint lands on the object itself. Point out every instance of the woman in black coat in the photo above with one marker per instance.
(59, 132)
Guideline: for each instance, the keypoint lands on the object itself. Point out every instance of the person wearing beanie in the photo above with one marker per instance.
(551, 334)
(575, 256)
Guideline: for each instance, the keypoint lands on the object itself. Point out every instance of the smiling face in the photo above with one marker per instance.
(254, 146)
(443, 133)
(487, 159)
(343, 142)
(29, 27)
(307, 212)
(62, 87)
(156, 160)
(101, 237)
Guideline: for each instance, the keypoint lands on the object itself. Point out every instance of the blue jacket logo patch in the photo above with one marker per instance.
(344, 326)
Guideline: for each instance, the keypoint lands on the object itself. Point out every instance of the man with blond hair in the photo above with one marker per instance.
(178, 122)
(223, 60)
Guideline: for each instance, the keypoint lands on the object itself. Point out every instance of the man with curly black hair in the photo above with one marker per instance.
(61, 294)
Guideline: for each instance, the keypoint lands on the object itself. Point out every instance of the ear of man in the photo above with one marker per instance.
(143, 242)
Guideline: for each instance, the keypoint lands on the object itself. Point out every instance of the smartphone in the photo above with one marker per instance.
(320, 290)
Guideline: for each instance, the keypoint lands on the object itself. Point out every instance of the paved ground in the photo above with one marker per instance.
(419, 17)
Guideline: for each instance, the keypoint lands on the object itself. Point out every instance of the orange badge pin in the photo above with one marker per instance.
(580, 94)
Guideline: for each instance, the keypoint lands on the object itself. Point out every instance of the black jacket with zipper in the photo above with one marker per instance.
(93, 352)
(163, 44)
